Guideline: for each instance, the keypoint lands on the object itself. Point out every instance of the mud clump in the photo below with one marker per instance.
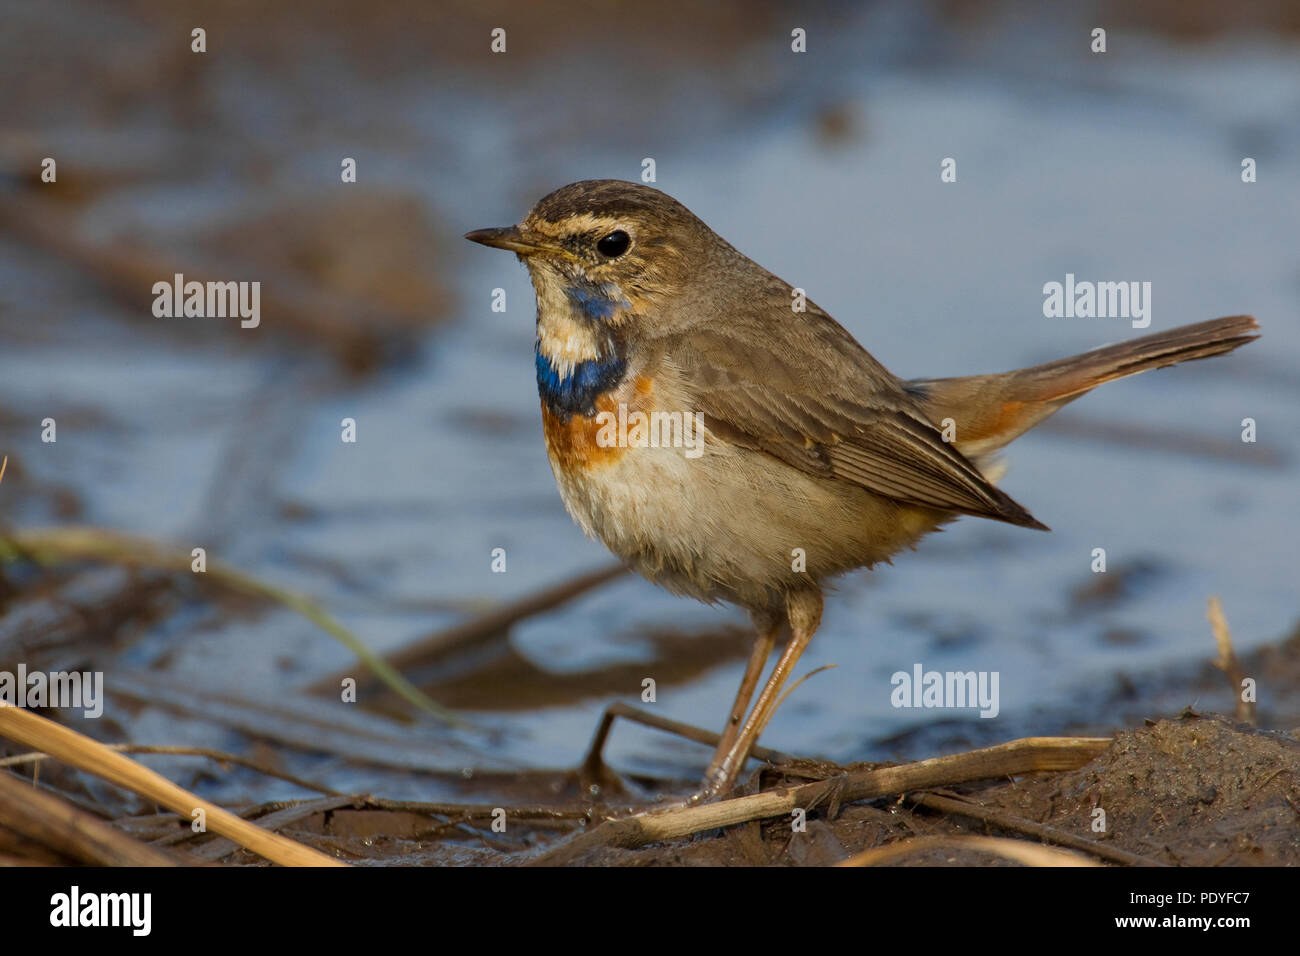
(1200, 792)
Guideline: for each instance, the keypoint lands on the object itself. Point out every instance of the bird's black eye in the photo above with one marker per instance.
(614, 245)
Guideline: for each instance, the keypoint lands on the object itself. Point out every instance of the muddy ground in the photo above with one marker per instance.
(1181, 787)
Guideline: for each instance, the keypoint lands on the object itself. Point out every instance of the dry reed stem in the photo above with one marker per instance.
(1009, 821)
(80, 751)
(1227, 661)
(1029, 854)
(53, 822)
(657, 825)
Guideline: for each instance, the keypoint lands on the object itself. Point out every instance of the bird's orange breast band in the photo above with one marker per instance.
(576, 442)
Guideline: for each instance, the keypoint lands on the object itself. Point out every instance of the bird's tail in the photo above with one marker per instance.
(989, 411)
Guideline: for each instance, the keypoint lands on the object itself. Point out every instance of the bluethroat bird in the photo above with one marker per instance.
(807, 441)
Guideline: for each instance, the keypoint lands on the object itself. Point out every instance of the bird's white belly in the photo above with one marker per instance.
(731, 524)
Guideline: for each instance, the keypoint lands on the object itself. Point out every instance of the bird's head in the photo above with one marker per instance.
(606, 249)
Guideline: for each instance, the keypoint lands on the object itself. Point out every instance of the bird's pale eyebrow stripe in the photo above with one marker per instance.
(582, 222)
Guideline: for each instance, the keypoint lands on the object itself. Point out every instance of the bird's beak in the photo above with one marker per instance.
(511, 238)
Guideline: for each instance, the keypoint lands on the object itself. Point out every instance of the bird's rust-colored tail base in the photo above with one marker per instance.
(989, 411)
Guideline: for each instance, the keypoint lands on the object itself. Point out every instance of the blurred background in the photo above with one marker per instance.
(822, 166)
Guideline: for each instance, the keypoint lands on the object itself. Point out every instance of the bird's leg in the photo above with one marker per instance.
(768, 624)
(804, 609)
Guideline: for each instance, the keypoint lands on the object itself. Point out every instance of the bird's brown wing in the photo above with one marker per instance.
(821, 403)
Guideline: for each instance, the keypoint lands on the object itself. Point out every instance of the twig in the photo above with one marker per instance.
(795, 686)
(594, 761)
(654, 826)
(53, 822)
(91, 756)
(1228, 663)
(216, 849)
(1030, 854)
(1008, 821)
(473, 811)
(218, 755)
(274, 816)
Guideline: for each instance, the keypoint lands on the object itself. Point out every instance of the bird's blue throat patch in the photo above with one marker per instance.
(576, 392)
(596, 301)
